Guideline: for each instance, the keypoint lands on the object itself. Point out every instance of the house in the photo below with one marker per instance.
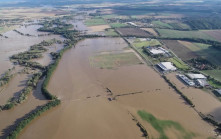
(166, 66)
(131, 23)
(186, 80)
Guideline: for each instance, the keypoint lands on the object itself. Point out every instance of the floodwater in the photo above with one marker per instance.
(16, 43)
(9, 117)
(85, 111)
(14, 87)
(204, 101)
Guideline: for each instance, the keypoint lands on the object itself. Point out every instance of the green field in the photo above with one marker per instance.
(161, 126)
(111, 33)
(152, 42)
(118, 25)
(179, 63)
(180, 26)
(112, 61)
(167, 33)
(160, 24)
(214, 73)
(95, 21)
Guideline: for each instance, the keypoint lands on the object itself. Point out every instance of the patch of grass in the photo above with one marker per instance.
(162, 125)
(95, 21)
(180, 26)
(112, 61)
(160, 24)
(118, 25)
(152, 42)
(214, 83)
(179, 63)
(168, 33)
(111, 32)
(214, 73)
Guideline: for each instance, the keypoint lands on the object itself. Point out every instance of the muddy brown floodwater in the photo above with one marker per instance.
(86, 112)
(16, 43)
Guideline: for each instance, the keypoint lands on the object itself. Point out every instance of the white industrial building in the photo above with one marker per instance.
(156, 50)
(166, 66)
(186, 80)
(196, 76)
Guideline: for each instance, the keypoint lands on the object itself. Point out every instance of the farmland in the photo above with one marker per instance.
(214, 73)
(167, 33)
(118, 25)
(95, 21)
(111, 33)
(111, 61)
(133, 32)
(179, 63)
(160, 24)
(180, 50)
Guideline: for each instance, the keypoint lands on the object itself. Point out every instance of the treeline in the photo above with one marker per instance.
(32, 116)
(6, 77)
(202, 64)
(197, 23)
(35, 51)
(178, 91)
(21, 33)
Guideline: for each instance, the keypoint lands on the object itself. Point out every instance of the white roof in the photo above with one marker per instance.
(219, 91)
(186, 80)
(196, 76)
(156, 51)
(167, 66)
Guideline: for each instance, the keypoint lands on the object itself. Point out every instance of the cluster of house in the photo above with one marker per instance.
(193, 79)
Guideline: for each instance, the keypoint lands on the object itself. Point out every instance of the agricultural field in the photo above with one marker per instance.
(205, 51)
(180, 26)
(161, 126)
(160, 24)
(153, 42)
(214, 33)
(151, 30)
(112, 61)
(167, 33)
(111, 33)
(118, 25)
(214, 73)
(179, 49)
(95, 22)
(135, 32)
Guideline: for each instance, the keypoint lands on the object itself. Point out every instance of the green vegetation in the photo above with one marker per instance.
(110, 61)
(6, 77)
(180, 26)
(214, 83)
(152, 42)
(197, 23)
(167, 33)
(214, 73)
(179, 63)
(118, 25)
(27, 119)
(111, 33)
(162, 125)
(95, 21)
(160, 24)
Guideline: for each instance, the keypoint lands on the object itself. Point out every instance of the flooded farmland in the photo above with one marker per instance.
(20, 43)
(86, 112)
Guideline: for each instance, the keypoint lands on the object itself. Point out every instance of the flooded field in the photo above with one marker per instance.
(20, 44)
(9, 117)
(204, 101)
(86, 111)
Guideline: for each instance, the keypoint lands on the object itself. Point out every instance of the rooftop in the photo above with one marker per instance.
(196, 76)
(167, 66)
